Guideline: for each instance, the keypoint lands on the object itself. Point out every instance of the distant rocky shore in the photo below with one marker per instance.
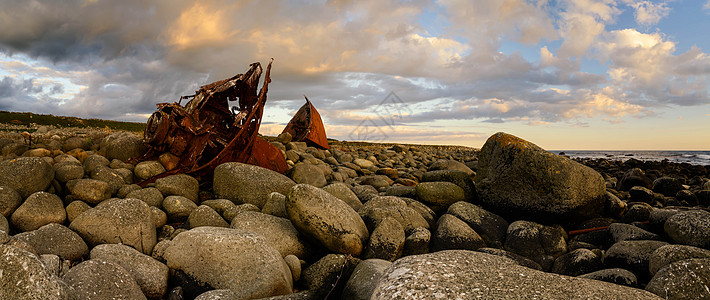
(359, 221)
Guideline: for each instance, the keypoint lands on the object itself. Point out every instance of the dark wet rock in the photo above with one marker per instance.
(686, 198)
(364, 279)
(667, 186)
(101, 279)
(327, 219)
(226, 258)
(684, 279)
(626, 232)
(491, 227)
(39, 209)
(577, 262)
(540, 243)
(244, 183)
(614, 207)
(520, 179)
(126, 221)
(632, 255)
(452, 233)
(641, 194)
(55, 239)
(633, 177)
(386, 241)
(614, 275)
(690, 228)
(328, 276)
(441, 275)
(26, 175)
(25, 277)
(150, 275)
(668, 254)
(417, 242)
(638, 212)
(402, 191)
(279, 232)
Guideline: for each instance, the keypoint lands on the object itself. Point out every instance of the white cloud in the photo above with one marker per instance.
(648, 13)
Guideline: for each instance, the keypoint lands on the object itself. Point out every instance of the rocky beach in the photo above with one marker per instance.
(359, 221)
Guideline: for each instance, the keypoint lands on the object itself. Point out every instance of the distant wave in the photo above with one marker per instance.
(691, 157)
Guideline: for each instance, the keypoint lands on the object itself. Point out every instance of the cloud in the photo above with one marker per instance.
(706, 6)
(648, 13)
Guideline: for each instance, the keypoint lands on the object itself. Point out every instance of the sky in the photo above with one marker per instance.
(566, 74)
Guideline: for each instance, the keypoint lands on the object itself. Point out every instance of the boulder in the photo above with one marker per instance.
(439, 275)
(9, 200)
(632, 255)
(615, 276)
(627, 232)
(460, 178)
(55, 239)
(386, 241)
(439, 195)
(520, 179)
(24, 276)
(178, 208)
(150, 275)
(204, 215)
(93, 161)
(101, 279)
(343, 192)
(491, 227)
(540, 243)
(39, 209)
(364, 279)
(150, 195)
(26, 175)
(75, 142)
(684, 279)
(690, 228)
(64, 172)
(452, 233)
(126, 221)
(323, 277)
(327, 219)
(243, 183)
(278, 232)
(91, 191)
(226, 258)
(450, 164)
(668, 254)
(122, 146)
(149, 168)
(307, 174)
(179, 185)
(577, 262)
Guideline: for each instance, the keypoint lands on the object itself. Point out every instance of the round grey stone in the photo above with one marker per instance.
(101, 279)
(39, 209)
(9, 200)
(25, 277)
(179, 185)
(150, 274)
(178, 208)
(243, 183)
(26, 175)
(56, 239)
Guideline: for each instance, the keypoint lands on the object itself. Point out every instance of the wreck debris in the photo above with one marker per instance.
(307, 126)
(206, 132)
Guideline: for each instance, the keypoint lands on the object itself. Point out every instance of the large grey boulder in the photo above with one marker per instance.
(690, 228)
(308, 174)
(668, 254)
(364, 279)
(26, 175)
(101, 279)
(327, 219)
(520, 179)
(39, 209)
(632, 255)
(55, 239)
(343, 192)
(279, 232)
(91, 191)
(243, 183)
(452, 233)
(234, 259)
(122, 146)
(440, 275)
(491, 227)
(684, 279)
(179, 185)
(24, 276)
(126, 221)
(540, 243)
(150, 274)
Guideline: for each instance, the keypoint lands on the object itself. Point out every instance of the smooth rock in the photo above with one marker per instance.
(540, 243)
(294, 264)
(179, 185)
(226, 258)
(279, 232)
(64, 172)
(449, 164)
(439, 195)
(520, 179)
(327, 219)
(149, 168)
(626, 232)
(100, 279)
(452, 233)
(690, 228)
(26, 175)
(39, 209)
(442, 275)
(364, 279)
(150, 195)
(178, 208)
(491, 227)
(327, 275)
(614, 275)
(519, 259)
(204, 215)
(94, 161)
(577, 262)
(632, 255)
(126, 221)
(9, 200)
(4, 226)
(343, 192)
(417, 242)
(668, 254)
(91, 191)
(307, 174)
(75, 208)
(275, 205)
(55, 239)
(386, 241)
(243, 183)
(122, 146)
(150, 275)
(24, 276)
(460, 178)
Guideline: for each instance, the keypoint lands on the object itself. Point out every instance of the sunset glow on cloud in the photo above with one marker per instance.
(568, 74)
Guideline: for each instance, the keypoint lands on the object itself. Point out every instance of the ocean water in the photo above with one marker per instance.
(691, 157)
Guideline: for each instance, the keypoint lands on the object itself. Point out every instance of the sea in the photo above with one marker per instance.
(692, 157)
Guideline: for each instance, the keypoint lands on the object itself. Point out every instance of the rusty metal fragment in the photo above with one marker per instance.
(307, 126)
(206, 132)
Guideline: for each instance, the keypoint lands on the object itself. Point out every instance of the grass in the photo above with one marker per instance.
(26, 118)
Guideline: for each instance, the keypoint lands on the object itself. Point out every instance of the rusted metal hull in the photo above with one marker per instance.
(307, 126)
(205, 132)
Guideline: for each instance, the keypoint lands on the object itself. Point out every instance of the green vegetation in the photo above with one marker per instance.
(25, 118)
